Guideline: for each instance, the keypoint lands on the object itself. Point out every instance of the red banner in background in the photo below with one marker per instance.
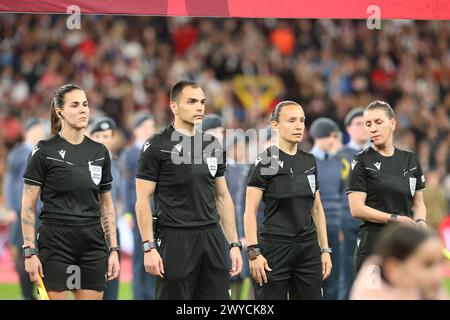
(339, 9)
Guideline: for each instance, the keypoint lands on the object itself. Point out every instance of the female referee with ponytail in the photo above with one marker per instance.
(385, 183)
(72, 175)
(292, 257)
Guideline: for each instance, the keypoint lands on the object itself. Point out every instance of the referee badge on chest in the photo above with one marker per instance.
(412, 185)
(312, 182)
(212, 165)
(96, 173)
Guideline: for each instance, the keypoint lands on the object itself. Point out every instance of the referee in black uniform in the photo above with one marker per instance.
(385, 183)
(185, 168)
(292, 257)
(72, 174)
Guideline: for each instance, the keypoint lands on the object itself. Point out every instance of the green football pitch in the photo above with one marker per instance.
(12, 291)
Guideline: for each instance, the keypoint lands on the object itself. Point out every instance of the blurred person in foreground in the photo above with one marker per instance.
(407, 264)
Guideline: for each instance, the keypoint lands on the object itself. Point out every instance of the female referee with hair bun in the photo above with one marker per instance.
(287, 261)
(385, 183)
(72, 174)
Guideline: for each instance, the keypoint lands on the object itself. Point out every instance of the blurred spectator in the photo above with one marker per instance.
(408, 265)
(435, 200)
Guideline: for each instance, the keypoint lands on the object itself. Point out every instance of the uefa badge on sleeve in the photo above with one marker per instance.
(412, 185)
(212, 166)
(312, 182)
(96, 173)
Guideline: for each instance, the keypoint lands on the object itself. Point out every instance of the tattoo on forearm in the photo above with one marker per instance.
(29, 218)
(28, 222)
(109, 227)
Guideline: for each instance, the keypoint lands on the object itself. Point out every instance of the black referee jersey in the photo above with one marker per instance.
(389, 182)
(71, 177)
(185, 168)
(289, 183)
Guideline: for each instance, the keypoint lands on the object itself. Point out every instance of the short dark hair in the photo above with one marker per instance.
(382, 105)
(400, 242)
(276, 112)
(179, 86)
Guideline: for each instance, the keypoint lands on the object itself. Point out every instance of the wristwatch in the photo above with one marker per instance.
(148, 246)
(236, 244)
(253, 252)
(114, 249)
(326, 250)
(28, 251)
(393, 218)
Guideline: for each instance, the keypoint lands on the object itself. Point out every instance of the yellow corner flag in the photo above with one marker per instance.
(42, 293)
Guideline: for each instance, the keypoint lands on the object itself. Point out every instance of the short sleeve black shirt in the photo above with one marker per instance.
(289, 184)
(71, 178)
(185, 169)
(389, 182)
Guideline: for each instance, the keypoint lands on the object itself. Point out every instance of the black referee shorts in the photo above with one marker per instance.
(367, 238)
(196, 264)
(73, 257)
(296, 271)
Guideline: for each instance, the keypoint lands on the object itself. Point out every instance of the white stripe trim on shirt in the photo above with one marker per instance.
(32, 180)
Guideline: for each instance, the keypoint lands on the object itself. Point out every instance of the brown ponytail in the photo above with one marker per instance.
(55, 123)
(58, 102)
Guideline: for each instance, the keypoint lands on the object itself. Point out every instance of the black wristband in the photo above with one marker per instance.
(252, 246)
(237, 244)
(117, 249)
(28, 252)
(148, 246)
(393, 218)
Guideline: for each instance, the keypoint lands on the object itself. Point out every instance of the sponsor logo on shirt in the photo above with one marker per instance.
(258, 159)
(62, 153)
(35, 149)
(354, 162)
(377, 165)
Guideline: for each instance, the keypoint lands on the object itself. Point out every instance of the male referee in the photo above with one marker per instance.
(185, 169)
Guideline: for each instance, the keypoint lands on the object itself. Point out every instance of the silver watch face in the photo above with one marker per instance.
(147, 246)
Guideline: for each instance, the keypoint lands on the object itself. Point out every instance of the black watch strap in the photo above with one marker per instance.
(237, 244)
(253, 252)
(148, 246)
(393, 218)
(114, 249)
(28, 251)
